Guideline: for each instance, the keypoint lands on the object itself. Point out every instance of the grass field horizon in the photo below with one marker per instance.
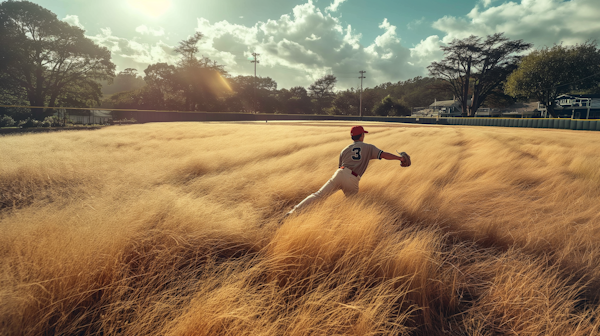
(174, 229)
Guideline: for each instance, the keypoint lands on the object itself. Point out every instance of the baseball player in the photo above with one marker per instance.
(353, 162)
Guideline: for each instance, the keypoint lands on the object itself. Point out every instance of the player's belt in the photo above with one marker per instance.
(353, 173)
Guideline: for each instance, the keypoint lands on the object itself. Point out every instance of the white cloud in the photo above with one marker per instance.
(487, 3)
(134, 53)
(313, 37)
(144, 30)
(542, 22)
(73, 20)
(389, 37)
(334, 5)
(414, 24)
(298, 48)
(426, 51)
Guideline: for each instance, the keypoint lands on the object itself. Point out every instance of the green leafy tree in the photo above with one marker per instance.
(253, 94)
(370, 97)
(499, 99)
(390, 107)
(189, 48)
(13, 95)
(48, 58)
(487, 62)
(295, 101)
(345, 103)
(322, 92)
(161, 91)
(126, 80)
(200, 80)
(193, 84)
(418, 91)
(549, 72)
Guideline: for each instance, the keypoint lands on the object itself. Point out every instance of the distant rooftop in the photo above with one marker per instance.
(444, 103)
(579, 96)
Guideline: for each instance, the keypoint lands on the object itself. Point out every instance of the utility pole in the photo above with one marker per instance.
(362, 76)
(256, 61)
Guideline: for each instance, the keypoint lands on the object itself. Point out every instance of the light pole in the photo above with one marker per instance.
(362, 76)
(255, 61)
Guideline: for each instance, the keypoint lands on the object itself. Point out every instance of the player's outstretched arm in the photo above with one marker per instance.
(390, 156)
(405, 161)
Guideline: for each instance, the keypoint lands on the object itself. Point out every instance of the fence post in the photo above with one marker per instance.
(574, 124)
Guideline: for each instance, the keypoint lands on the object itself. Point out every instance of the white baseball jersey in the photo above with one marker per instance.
(355, 159)
(356, 156)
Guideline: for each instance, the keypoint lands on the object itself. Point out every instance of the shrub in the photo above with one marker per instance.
(29, 123)
(390, 107)
(51, 121)
(6, 121)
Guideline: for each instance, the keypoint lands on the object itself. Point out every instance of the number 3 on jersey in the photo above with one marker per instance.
(356, 151)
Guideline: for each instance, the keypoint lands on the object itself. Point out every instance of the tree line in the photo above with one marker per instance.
(45, 62)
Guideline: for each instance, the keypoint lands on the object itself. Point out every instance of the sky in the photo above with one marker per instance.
(300, 41)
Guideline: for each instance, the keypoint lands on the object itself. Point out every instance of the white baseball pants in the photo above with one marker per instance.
(341, 179)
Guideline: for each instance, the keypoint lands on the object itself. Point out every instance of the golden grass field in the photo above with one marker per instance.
(173, 229)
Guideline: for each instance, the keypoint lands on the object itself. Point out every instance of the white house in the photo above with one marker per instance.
(446, 108)
(577, 106)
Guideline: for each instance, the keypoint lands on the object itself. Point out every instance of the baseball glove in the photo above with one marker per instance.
(405, 162)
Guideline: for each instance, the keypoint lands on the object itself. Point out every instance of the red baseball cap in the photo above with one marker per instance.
(357, 130)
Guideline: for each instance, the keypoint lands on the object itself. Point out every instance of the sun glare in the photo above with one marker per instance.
(151, 8)
(227, 86)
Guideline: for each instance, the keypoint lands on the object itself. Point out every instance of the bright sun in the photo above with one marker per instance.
(152, 8)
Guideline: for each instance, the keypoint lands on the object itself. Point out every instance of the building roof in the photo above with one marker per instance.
(521, 107)
(578, 96)
(444, 103)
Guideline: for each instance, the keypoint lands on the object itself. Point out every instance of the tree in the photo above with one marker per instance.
(486, 62)
(48, 58)
(252, 93)
(346, 103)
(200, 80)
(390, 107)
(162, 85)
(297, 101)
(418, 91)
(126, 80)
(370, 98)
(549, 72)
(499, 99)
(322, 91)
(188, 48)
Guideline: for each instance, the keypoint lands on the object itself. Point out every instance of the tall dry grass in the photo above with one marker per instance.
(173, 229)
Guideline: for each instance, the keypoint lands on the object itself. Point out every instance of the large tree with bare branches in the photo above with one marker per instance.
(485, 62)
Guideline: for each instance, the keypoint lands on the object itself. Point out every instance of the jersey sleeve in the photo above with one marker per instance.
(375, 153)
